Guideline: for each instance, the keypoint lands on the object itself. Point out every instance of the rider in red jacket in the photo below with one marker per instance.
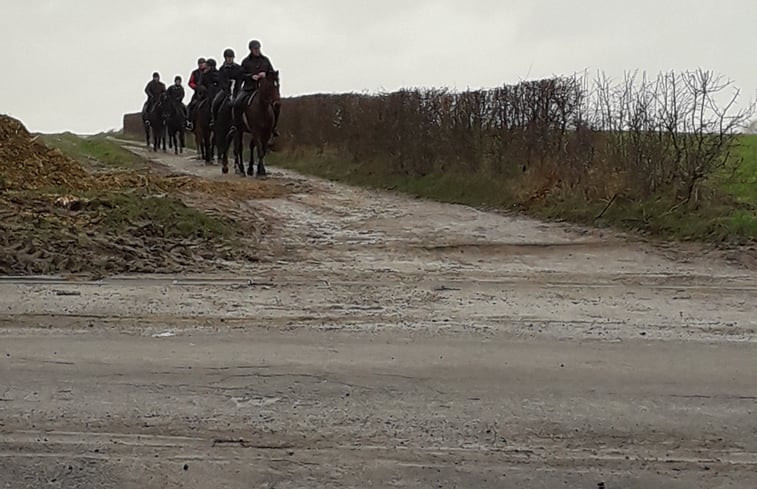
(195, 80)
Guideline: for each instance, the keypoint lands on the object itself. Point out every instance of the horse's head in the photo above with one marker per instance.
(269, 87)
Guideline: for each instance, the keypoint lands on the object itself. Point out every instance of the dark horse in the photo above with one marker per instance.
(175, 125)
(155, 123)
(258, 119)
(222, 133)
(202, 129)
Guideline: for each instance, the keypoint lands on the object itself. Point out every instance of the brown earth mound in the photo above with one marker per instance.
(27, 164)
(57, 218)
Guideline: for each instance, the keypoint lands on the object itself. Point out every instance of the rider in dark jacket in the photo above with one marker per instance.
(176, 91)
(229, 81)
(210, 80)
(176, 94)
(254, 67)
(154, 89)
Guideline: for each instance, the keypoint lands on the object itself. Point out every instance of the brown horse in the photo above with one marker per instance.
(258, 118)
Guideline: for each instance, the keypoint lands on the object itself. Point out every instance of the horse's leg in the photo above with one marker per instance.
(253, 145)
(198, 142)
(212, 142)
(208, 148)
(223, 156)
(262, 149)
(238, 153)
(222, 143)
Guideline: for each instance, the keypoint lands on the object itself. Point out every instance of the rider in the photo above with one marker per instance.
(229, 73)
(210, 80)
(194, 81)
(254, 68)
(176, 93)
(154, 89)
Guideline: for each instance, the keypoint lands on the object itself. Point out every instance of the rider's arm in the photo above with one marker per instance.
(192, 81)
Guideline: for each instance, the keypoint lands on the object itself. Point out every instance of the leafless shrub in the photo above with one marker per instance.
(599, 137)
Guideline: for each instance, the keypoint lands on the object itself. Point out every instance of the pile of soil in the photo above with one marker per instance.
(27, 164)
(58, 218)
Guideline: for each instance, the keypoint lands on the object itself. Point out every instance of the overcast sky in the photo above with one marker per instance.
(78, 65)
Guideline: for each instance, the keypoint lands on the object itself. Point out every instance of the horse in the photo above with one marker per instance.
(156, 123)
(258, 118)
(222, 133)
(202, 131)
(175, 121)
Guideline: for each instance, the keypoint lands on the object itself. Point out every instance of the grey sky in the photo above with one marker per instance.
(79, 65)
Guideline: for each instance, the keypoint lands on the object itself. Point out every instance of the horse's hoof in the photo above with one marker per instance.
(225, 170)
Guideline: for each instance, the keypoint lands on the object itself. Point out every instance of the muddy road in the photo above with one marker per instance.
(384, 341)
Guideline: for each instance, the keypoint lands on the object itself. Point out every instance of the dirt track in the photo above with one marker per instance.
(389, 342)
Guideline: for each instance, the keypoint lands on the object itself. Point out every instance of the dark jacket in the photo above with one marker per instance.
(176, 92)
(210, 80)
(154, 89)
(195, 79)
(252, 65)
(228, 74)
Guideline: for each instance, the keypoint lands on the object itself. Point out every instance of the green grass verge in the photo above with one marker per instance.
(731, 217)
(163, 215)
(166, 216)
(742, 183)
(121, 212)
(94, 151)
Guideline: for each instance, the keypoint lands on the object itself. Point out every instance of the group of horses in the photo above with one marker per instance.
(164, 121)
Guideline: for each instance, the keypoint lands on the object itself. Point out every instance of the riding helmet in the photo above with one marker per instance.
(178, 78)
(254, 44)
(156, 74)
(200, 61)
(211, 62)
(229, 53)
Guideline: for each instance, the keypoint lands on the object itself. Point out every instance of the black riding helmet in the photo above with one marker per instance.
(254, 44)
(178, 78)
(200, 61)
(156, 74)
(229, 53)
(211, 62)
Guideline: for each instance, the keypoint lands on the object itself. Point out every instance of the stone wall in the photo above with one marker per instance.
(133, 125)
